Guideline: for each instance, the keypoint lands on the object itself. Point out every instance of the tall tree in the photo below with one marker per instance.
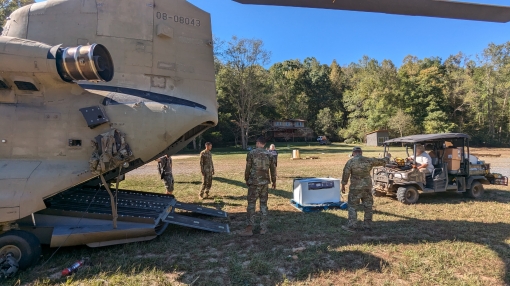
(402, 123)
(493, 87)
(242, 82)
(325, 122)
(288, 96)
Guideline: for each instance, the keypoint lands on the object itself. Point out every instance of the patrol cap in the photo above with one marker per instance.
(356, 149)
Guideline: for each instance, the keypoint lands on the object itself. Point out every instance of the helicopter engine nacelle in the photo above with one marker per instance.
(90, 62)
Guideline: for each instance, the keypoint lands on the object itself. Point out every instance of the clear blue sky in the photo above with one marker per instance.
(297, 33)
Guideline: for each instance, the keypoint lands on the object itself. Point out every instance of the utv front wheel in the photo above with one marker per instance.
(376, 193)
(475, 191)
(407, 195)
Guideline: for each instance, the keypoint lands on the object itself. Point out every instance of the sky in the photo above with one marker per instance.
(298, 33)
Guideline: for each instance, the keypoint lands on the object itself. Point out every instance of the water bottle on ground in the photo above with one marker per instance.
(73, 268)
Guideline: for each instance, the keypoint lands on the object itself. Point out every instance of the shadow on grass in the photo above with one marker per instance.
(451, 198)
(244, 260)
(192, 182)
(277, 192)
(230, 182)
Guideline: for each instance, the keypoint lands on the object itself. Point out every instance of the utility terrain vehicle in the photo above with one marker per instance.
(455, 170)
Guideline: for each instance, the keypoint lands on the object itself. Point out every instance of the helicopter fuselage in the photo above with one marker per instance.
(161, 96)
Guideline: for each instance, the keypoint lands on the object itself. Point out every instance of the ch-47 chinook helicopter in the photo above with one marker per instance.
(71, 122)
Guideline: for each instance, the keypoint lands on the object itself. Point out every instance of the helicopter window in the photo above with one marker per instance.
(74, 143)
(24, 85)
(3, 85)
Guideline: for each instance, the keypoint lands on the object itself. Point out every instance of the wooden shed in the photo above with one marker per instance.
(377, 138)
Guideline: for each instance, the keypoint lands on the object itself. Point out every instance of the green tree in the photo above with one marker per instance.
(492, 91)
(325, 122)
(370, 95)
(243, 83)
(402, 123)
(287, 95)
(316, 86)
(423, 93)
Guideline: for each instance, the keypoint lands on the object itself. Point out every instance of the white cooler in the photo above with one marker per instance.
(316, 191)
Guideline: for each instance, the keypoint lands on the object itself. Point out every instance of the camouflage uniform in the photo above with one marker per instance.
(259, 165)
(207, 169)
(165, 171)
(358, 169)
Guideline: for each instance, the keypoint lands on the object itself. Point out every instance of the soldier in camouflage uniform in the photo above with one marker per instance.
(358, 169)
(260, 164)
(165, 172)
(207, 169)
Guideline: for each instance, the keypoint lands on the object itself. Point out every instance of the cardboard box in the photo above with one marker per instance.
(452, 153)
(453, 164)
(452, 156)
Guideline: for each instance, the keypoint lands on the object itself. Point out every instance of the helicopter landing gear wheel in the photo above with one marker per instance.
(23, 246)
(407, 195)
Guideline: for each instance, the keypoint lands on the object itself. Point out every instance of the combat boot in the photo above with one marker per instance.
(248, 231)
(367, 225)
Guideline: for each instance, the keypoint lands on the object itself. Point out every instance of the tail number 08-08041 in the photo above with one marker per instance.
(178, 19)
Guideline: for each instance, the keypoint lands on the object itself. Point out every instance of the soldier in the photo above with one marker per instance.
(165, 172)
(260, 165)
(358, 169)
(207, 169)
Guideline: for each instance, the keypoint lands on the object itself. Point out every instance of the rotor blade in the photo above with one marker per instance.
(429, 8)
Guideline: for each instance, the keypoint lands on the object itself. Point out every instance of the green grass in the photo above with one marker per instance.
(445, 239)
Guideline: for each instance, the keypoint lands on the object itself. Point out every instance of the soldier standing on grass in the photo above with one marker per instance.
(260, 164)
(358, 169)
(207, 169)
(165, 172)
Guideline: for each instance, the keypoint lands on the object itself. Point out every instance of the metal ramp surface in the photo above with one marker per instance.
(200, 209)
(203, 224)
(132, 206)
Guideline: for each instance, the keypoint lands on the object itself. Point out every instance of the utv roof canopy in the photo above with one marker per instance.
(427, 138)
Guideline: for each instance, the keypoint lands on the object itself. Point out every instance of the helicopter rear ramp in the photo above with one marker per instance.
(83, 215)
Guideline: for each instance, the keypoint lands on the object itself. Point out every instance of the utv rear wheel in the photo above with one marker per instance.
(475, 191)
(376, 193)
(23, 246)
(407, 195)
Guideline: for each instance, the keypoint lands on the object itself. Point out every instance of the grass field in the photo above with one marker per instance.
(445, 239)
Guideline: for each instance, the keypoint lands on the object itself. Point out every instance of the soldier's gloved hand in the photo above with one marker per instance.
(274, 185)
(343, 189)
(213, 173)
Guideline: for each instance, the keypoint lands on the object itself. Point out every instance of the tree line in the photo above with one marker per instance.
(430, 95)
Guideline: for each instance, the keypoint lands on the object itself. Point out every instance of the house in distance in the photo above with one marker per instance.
(289, 129)
(377, 138)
